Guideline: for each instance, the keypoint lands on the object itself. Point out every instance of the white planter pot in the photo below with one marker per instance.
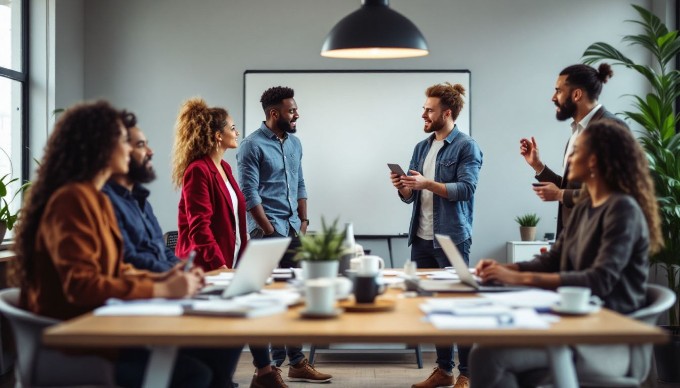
(319, 269)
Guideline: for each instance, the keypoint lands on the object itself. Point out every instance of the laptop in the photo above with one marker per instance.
(467, 282)
(253, 269)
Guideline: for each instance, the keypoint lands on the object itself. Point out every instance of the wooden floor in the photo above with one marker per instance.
(355, 370)
(363, 370)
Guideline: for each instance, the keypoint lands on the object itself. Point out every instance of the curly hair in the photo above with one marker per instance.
(194, 138)
(450, 97)
(79, 148)
(586, 77)
(275, 96)
(624, 168)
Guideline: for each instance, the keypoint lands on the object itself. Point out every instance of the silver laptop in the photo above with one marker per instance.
(254, 268)
(467, 282)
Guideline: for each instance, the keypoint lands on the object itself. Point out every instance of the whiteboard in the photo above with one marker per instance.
(352, 123)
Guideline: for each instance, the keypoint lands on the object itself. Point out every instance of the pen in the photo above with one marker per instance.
(190, 261)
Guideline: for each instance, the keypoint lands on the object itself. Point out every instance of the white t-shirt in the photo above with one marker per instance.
(234, 202)
(426, 214)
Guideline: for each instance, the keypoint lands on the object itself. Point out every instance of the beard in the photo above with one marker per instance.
(141, 172)
(285, 126)
(566, 110)
(435, 125)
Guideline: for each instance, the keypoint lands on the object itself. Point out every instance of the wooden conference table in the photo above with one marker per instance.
(404, 324)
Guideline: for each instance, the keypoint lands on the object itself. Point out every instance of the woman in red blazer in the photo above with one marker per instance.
(212, 209)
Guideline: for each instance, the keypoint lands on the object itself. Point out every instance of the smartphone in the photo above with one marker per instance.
(395, 168)
(537, 184)
(190, 261)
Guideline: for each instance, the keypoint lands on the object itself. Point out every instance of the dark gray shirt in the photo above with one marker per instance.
(605, 249)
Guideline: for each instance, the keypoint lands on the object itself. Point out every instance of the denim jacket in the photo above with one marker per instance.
(143, 242)
(457, 166)
(270, 174)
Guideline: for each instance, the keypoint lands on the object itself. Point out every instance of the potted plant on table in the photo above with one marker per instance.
(320, 252)
(527, 226)
(661, 141)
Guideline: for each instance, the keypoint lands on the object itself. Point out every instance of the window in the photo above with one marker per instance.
(13, 93)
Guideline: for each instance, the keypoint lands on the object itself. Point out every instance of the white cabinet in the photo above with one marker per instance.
(524, 250)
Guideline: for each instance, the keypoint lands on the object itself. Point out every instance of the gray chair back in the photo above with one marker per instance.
(40, 366)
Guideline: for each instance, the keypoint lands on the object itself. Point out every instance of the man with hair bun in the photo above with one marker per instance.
(441, 184)
(576, 92)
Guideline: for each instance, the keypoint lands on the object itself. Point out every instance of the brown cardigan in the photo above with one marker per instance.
(78, 256)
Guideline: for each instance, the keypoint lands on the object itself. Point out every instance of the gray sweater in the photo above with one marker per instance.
(605, 249)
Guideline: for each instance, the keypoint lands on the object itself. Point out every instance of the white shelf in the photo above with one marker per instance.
(524, 250)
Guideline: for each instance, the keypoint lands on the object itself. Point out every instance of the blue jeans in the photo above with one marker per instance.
(279, 352)
(204, 367)
(426, 255)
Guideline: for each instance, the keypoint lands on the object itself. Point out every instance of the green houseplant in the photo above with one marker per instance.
(654, 113)
(320, 252)
(661, 140)
(7, 217)
(527, 226)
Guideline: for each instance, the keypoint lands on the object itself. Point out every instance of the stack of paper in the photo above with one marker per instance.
(479, 313)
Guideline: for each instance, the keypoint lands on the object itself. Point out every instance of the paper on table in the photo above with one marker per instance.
(146, 307)
(535, 298)
(443, 275)
(515, 319)
(221, 279)
(392, 272)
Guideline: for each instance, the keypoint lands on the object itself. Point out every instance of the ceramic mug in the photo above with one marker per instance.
(576, 298)
(367, 265)
(366, 288)
(320, 295)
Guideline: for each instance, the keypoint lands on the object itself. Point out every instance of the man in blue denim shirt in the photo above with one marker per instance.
(441, 184)
(142, 235)
(271, 179)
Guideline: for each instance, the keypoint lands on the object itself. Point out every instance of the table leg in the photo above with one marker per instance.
(160, 367)
(562, 366)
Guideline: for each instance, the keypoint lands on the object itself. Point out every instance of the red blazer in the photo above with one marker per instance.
(206, 216)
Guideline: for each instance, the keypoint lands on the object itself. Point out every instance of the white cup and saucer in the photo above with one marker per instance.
(576, 301)
(320, 297)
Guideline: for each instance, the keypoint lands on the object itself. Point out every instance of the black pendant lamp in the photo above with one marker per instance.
(375, 31)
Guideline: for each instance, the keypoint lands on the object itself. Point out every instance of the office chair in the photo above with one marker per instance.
(40, 366)
(170, 239)
(658, 300)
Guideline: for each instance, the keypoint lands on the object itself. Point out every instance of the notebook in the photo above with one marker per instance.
(467, 282)
(254, 268)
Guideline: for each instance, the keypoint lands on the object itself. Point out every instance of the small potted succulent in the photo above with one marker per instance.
(527, 226)
(320, 252)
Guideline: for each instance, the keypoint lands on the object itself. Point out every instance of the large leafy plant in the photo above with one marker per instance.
(660, 139)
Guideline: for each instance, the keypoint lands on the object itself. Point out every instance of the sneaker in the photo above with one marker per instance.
(462, 382)
(438, 378)
(272, 379)
(303, 371)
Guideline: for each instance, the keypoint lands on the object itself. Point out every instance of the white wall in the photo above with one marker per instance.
(149, 56)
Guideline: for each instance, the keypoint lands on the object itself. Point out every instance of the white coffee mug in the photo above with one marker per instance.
(367, 265)
(576, 298)
(320, 295)
(343, 287)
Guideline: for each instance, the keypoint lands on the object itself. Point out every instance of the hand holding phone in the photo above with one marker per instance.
(395, 168)
(190, 261)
